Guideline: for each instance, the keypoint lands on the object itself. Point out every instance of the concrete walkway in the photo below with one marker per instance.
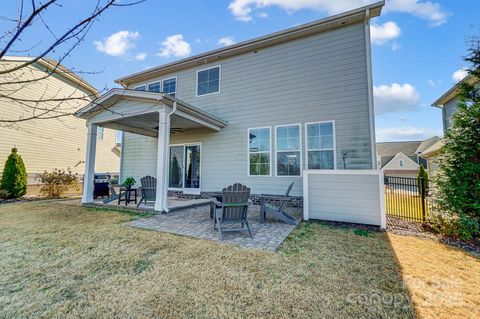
(196, 222)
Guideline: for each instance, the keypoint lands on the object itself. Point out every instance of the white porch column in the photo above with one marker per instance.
(87, 196)
(161, 201)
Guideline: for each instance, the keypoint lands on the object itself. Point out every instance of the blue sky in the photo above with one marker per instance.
(417, 45)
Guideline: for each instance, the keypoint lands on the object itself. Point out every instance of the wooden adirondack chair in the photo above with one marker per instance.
(277, 211)
(148, 189)
(233, 209)
(113, 192)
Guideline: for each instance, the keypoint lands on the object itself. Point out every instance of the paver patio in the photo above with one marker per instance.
(196, 222)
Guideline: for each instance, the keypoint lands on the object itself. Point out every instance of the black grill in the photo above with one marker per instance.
(100, 186)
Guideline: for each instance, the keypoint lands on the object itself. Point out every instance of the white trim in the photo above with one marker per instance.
(122, 156)
(306, 215)
(163, 86)
(343, 171)
(334, 132)
(371, 109)
(299, 149)
(154, 82)
(184, 189)
(381, 186)
(248, 151)
(219, 66)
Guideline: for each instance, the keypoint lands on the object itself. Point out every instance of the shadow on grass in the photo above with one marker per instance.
(360, 260)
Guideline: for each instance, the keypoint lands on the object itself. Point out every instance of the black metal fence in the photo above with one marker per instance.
(406, 198)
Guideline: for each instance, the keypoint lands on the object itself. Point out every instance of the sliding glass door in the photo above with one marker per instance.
(185, 168)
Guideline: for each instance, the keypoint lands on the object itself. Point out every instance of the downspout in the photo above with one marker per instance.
(167, 162)
(370, 89)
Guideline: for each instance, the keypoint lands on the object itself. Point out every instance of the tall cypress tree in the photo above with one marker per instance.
(457, 182)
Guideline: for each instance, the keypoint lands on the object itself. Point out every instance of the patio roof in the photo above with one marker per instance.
(105, 112)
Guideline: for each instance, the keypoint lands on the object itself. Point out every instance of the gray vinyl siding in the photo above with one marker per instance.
(347, 198)
(318, 78)
(448, 110)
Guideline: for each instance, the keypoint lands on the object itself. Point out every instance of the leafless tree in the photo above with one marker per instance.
(18, 78)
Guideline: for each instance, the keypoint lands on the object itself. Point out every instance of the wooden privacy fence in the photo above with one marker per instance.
(354, 196)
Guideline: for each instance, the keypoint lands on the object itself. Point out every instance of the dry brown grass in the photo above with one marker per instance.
(66, 261)
(444, 282)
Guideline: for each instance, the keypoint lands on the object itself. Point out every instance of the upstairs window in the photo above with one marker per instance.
(140, 88)
(287, 146)
(208, 81)
(170, 86)
(259, 155)
(100, 133)
(401, 163)
(320, 145)
(154, 87)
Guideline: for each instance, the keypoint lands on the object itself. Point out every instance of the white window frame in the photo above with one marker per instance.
(248, 151)
(176, 84)
(144, 84)
(219, 66)
(100, 132)
(189, 190)
(154, 82)
(334, 149)
(299, 150)
(401, 163)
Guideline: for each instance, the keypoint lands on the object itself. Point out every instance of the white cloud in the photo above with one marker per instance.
(382, 33)
(140, 56)
(226, 41)
(427, 10)
(176, 46)
(395, 97)
(118, 43)
(395, 46)
(459, 75)
(407, 133)
(242, 9)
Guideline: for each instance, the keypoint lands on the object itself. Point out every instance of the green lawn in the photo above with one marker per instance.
(67, 261)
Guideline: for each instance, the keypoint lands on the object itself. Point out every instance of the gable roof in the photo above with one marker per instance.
(427, 144)
(329, 23)
(452, 92)
(399, 156)
(393, 148)
(60, 69)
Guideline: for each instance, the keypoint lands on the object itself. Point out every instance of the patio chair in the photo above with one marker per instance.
(148, 189)
(113, 193)
(276, 211)
(233, 209)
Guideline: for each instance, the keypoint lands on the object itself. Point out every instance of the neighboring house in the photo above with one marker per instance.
(45, 144)
(403, 159)
(448, 102)
(258, 112)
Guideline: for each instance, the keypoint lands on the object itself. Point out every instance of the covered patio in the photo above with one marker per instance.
(150, 114)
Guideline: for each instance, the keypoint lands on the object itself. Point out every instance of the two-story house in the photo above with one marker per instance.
(448, 103)
(47, 142)
(258, 112)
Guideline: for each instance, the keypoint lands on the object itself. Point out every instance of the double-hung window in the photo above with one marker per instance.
(208, 81)
(140, 88)
(320, 142)
(287, 147)
(170, 86)
(154, 87)
(259, 151)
